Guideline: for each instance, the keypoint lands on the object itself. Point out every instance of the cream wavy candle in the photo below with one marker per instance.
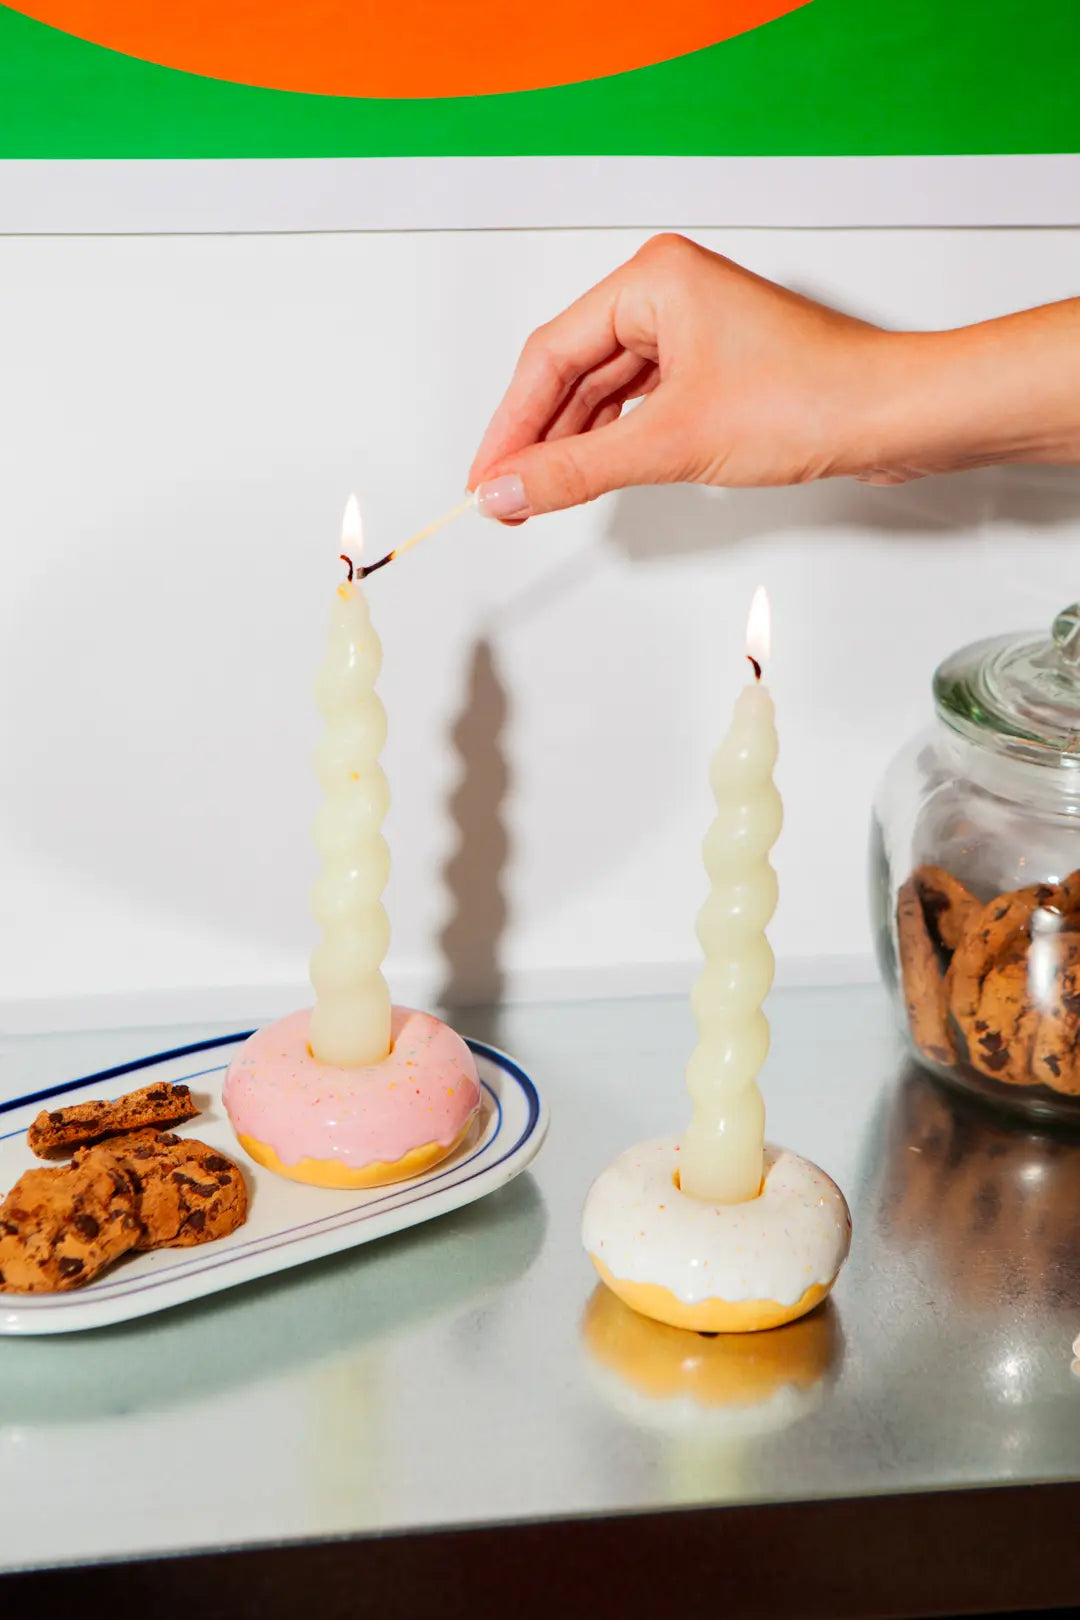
(350, 1023)
(721, 1157)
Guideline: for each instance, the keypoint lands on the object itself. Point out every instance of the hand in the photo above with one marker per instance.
(742, 382)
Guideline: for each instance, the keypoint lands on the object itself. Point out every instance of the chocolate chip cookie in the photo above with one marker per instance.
(84, 1123)
(948, 906)
(923, 981)
(185, 1192)
(59, 1228)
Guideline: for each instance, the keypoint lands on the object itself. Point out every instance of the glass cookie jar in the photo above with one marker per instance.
(975, 874)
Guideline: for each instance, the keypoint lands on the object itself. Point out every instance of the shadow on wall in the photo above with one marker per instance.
(651, 524)
(474, 875)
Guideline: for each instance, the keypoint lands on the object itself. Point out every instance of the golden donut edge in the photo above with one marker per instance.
(710, 1315)
(331, 1173)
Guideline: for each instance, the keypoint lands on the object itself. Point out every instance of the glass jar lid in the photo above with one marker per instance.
(1018, 695)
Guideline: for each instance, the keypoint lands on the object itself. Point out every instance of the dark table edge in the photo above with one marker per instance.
(992, 1550)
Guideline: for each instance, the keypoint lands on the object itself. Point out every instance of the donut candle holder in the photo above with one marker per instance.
(362, 1126)
(713, 1267)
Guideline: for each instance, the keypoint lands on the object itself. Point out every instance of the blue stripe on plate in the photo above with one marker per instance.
(123, 1068)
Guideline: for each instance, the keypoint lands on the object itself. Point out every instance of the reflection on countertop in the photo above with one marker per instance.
(988, 1205)
(360, 1300)
(467, 1372)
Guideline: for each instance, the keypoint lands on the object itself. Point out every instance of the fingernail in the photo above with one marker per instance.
(502, 498)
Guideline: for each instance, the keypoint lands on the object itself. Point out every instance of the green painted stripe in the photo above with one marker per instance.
(853, 77)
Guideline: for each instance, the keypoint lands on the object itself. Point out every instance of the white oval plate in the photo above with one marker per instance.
(287, 1223)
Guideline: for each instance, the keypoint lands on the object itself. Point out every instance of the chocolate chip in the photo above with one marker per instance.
(159, 1094)
(223, 1181)
(167, 1138)
(196, 1220)
(86, 1226)
(181, 1093)
(203, 1188)
(56, 1119)
(70, 1266)
(216, 1162)
(9, 1229)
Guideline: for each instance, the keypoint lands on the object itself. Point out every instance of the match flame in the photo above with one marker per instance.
(352, 529)
(759, 627)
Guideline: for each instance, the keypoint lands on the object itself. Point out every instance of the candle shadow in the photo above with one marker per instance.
(474, 874)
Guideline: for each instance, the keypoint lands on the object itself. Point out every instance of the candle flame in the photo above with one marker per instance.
(352, 529)
(759, 627)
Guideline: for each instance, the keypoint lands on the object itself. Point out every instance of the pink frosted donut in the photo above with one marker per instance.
(352, 1127)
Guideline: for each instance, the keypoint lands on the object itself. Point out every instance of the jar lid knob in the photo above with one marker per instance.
(1066, 632)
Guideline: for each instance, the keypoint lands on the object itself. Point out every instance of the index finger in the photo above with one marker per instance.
(552, 361)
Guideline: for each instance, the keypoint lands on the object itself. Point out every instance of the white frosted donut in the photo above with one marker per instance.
(716, 1268)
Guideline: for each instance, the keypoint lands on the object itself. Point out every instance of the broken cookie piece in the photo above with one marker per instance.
(95, 1121)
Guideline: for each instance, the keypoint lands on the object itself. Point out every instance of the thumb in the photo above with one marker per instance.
(556, 474)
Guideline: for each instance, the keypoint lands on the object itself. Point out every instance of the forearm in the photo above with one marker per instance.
(748, 384)
(1006, 390)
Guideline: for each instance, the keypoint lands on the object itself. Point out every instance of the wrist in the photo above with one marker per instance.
(976, 396)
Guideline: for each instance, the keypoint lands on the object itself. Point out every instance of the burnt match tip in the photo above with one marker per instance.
(382, 562)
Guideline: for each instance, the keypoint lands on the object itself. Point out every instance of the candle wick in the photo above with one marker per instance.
(348, 560)
(757, 666)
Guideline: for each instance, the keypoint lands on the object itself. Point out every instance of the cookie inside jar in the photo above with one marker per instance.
(994, 987)
(977, 873)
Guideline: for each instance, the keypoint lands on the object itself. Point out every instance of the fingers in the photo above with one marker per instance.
(554, 360)
(613, 383)
(620, 450)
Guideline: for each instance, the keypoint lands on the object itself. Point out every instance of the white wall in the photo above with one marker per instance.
(180, 421)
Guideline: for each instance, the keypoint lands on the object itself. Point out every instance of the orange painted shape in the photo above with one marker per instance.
(409, 47)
